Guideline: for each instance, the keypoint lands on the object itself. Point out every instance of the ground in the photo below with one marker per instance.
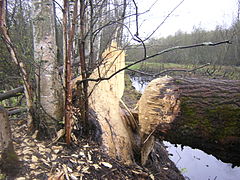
(82, 160)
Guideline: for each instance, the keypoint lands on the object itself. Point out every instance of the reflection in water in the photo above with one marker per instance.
(194, 163)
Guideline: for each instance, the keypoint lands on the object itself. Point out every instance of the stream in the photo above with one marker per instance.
(194, 164)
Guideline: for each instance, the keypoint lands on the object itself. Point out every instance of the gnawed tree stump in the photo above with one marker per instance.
(104, 100)
(203, 113)
(9, 160)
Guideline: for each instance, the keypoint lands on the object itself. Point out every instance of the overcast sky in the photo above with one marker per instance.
(206, 14)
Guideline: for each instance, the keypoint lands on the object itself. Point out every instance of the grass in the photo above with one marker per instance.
(211, 71)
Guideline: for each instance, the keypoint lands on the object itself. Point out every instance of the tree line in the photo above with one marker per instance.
(228, 54)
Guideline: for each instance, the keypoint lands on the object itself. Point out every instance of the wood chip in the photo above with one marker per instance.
(54, 157)
(82, 154)
(20, 178)
(41, 149)
(106, 164)
(69, 169)
(96, 166)
(85, 169)
(152, 177)
(32, 166)
(89, 156)
(34, 159)
(73, 177)
(74, 155)
(27, 151)
(57, 149)
(34, 136)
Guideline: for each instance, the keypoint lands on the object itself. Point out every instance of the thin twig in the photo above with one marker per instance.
(169, 14)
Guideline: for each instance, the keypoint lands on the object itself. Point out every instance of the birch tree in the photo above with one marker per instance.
(45, 55)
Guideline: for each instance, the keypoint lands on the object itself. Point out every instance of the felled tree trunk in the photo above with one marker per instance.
(9, 160)
(203, 113)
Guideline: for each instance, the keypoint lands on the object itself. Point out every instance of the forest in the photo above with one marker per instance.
(68, 108)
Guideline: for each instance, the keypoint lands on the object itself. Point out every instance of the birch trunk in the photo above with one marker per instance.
(45, 54)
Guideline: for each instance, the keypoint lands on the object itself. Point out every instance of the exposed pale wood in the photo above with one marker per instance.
(159, 104)
(104, 100)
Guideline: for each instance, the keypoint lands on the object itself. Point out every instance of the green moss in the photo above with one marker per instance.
(215, 122)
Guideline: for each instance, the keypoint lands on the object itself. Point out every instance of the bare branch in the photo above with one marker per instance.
(157, 54)
(164, 20)
(170, 70)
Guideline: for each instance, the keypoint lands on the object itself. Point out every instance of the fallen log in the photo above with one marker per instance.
(202, 113)
(12, 93)
(17, 111)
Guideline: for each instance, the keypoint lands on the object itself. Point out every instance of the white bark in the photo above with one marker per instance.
(45, 53)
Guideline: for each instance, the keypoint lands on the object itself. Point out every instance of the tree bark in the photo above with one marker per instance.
(9, 160)
(202, 113)
(50, 99)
